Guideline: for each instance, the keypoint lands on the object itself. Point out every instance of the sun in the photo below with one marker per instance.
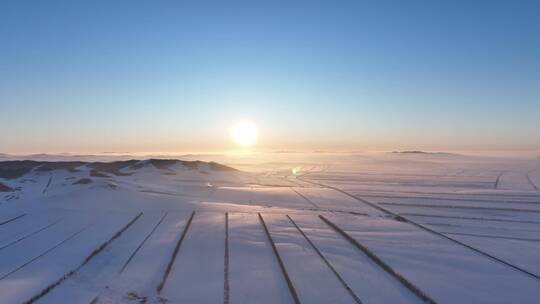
(244, 134)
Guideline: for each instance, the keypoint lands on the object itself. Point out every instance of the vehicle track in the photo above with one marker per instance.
(379, 262)
(492, 236)
(531, 181)
(292, 289)
(454, 199)
(142, 243)
(226, 293)
(407, 220)
(12, 219)
(47, 186)
(161, 284)
(30, 234)
(436, 193)
(459, 207)
(47, 289)
(44, 252)
(496, 183)
(338, 276)
(305, 198)
(470, 218)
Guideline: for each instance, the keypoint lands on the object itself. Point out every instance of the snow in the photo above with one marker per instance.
(59, 241)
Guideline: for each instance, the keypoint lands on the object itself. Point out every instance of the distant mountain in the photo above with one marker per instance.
(18, 168)
(417, 152)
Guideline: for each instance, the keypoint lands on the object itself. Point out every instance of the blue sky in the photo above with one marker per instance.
(91, 76)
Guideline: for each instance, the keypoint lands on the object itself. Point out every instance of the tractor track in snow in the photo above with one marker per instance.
(454, 199)
(96, 251)
(379, 262)
(458, 207)
(47, 186)
(469, 218)
(44, 253)
(12, 219)
(491, 236)
(143, 242)
(292, 289)
(163, 281)
(226, 290)
(319, 253)
(531, 181)
(407, 220)
(498, 179)
(305, 198)
(30, 234)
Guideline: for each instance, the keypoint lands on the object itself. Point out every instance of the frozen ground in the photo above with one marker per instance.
(285, 228)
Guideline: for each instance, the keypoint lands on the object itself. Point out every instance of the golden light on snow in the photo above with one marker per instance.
(244, 134)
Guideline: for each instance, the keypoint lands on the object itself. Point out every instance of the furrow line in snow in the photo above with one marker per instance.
(379, 262)
(305, 198)
(403, 219)
(12, 219)
(142, 243)
(338, 276)
(491, 236)
(454, 199)
(473, 249)
(350, 195)
(174, 254)
(459, 207)
(490, 195)
(226, 292)
(30, 234)
(44, 253)
(292, 289)
(496, 184)
(470, 218)
(531, 181)
(96, 251)
(47, 186)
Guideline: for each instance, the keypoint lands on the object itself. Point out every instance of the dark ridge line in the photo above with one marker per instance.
(499, 194)
(305, 198)
(30, 234)
(226, 291)
(475, 250)
(459, 207)
(492, 236)
(380, 262)
(453, 199)
(292, 289)
(47, 186)
(43, 253)
(403, 219)
(486, 227)
(338, 276)
(471, 218)
(174, 254)
(352, 196)
(142, 243)
(96, 251)
(12, 219)
(496, 184)
(531, 181)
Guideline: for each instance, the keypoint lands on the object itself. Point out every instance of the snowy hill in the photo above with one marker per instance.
(348, 229)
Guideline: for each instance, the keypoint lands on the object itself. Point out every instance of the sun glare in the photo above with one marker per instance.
(244, 134)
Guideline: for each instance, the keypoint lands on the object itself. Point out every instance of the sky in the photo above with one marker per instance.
(134, 76)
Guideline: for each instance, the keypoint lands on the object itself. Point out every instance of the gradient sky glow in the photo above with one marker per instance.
(93, 76)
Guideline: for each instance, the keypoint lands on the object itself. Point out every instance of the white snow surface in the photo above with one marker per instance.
(402, 228)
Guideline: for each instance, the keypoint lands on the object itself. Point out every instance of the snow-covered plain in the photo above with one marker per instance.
(283, 228)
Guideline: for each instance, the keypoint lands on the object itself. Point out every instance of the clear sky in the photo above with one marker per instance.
(94, 76)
